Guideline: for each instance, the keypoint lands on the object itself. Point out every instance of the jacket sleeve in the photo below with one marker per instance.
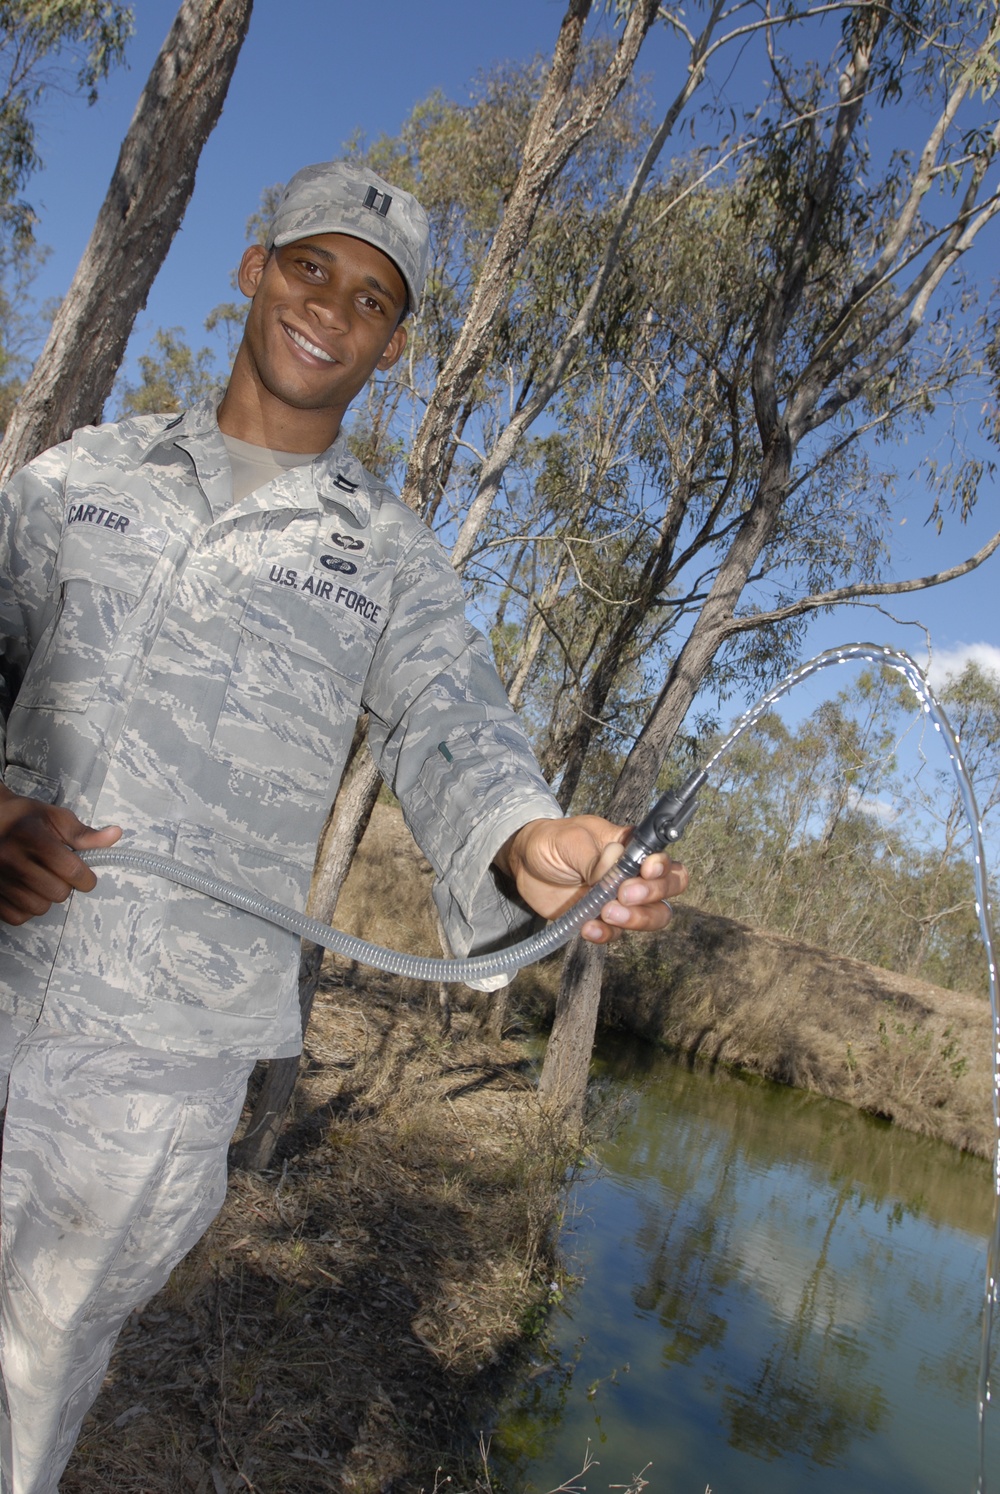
(452, 749)
(31, 509)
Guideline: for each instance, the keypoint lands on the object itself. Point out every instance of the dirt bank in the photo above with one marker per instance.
(721, 992)
(348, 1323)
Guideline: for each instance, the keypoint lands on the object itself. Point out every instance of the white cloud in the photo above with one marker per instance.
(948, 663)
(878, 809)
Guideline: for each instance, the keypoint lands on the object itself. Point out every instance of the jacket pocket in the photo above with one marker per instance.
(99, 576)
(25, 781)
(294, 690)
(203, 955)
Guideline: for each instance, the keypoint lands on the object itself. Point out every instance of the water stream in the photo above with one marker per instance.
(775, 1294)
(872, 653)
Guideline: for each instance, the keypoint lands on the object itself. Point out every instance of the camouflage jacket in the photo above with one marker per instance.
(193, 669)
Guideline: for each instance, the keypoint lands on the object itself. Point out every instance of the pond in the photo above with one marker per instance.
(771, 1292)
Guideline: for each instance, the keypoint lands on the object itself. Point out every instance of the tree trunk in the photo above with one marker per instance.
(256, 1147)
(349, 822)
(536, 631)
(563, 1081)
(149, 191)
(562, 1086)
(552, 138)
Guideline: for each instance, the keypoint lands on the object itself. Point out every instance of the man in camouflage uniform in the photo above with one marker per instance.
(193, 612)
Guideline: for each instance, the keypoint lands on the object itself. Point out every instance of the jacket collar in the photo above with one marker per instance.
(334, 478)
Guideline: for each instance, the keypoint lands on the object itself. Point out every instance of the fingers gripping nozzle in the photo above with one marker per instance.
(666, 820)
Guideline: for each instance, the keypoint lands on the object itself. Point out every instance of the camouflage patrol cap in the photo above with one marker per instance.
(345, 197)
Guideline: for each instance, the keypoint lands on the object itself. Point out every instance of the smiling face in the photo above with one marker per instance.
(324, 316)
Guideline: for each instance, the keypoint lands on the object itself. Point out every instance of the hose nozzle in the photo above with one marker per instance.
(666, 821)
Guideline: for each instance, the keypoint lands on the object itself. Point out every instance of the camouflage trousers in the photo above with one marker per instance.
(114, 1165)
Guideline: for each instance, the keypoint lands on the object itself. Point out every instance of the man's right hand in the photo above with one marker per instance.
(38, 861)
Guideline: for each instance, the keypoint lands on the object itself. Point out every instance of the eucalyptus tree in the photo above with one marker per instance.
(851, 258)
(142, 210)
(47, 45)
(683, 467)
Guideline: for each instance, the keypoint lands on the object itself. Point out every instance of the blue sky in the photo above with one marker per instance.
(311, 74)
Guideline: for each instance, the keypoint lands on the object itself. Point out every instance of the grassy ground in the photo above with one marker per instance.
(352, 1318)
(348, 1321)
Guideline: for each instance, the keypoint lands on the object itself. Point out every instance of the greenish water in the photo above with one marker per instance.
(775, 1293)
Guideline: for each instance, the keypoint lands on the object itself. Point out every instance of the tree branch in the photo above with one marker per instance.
(851, 593)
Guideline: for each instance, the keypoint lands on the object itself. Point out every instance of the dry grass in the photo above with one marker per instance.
(348, 1321)
(719, 991)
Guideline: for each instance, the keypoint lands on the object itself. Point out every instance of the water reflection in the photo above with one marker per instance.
(777, 1293)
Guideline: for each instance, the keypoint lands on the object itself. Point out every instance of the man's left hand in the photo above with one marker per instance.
(554, 862)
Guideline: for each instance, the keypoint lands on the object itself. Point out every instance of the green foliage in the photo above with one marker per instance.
(171, 378)
(46, 44)
(228, 318)
(812, 833)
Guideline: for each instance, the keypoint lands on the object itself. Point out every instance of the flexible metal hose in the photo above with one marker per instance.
(418, 967)
(661, 827)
